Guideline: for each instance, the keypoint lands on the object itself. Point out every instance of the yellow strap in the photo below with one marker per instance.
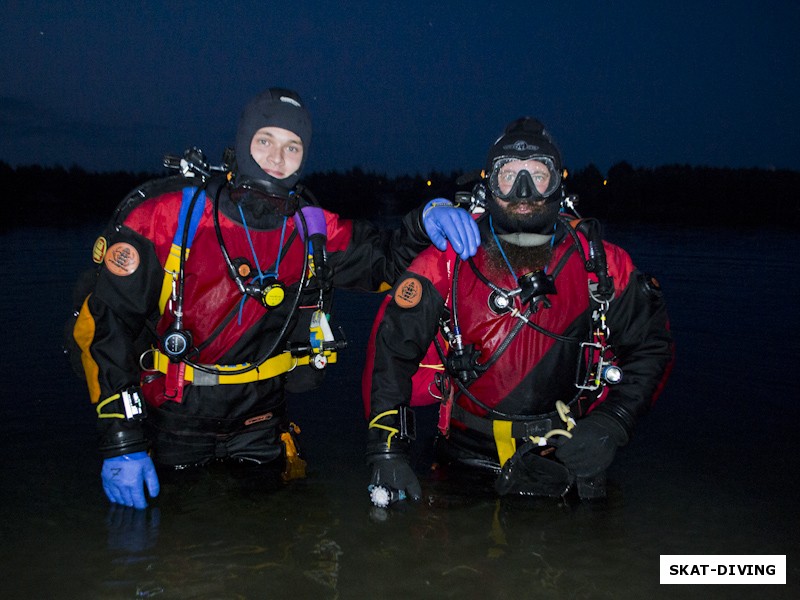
(272, 367)
(171, 266)
(506, 445)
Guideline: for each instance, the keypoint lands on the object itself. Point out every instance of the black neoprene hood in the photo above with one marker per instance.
(524, 138)
(275, 107)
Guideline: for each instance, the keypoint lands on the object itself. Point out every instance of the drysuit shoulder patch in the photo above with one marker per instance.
(408, 293)
(122, 259)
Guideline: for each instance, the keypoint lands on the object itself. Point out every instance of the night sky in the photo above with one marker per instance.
(404, 87)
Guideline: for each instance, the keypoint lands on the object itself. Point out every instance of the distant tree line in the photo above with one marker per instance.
(687, 195)
(672, 194)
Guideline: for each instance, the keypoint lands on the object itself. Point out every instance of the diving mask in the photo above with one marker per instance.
(517, 180)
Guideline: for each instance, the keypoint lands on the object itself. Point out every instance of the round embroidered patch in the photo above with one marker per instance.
(408, 293)
(122, 259)
(99, 249)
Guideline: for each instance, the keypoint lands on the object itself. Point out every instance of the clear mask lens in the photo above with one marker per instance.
(515, 179)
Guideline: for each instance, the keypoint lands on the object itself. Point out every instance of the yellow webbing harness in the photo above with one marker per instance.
(272, 367)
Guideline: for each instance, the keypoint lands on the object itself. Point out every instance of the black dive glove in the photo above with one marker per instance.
(393, 472)
(388, 448)
(594, 443)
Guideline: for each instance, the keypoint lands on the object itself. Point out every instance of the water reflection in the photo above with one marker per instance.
(130, 530)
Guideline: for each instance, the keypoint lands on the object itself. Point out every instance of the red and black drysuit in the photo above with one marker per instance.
(535, 370)
(227, 327)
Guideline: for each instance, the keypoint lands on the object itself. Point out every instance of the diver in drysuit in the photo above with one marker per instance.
(191, 331)
(551, 343)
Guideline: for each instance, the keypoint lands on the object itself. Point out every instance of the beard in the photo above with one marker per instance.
(539, 217)
(523, 259)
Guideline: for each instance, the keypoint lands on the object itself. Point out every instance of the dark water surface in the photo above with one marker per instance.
(711, 471)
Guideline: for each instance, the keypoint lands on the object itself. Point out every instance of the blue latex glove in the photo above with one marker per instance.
(444, 222)
(124, 478)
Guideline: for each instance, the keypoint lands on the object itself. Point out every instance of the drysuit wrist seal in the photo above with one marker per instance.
(122, 440)
(618, 421)
(125, 412)
(383, 450)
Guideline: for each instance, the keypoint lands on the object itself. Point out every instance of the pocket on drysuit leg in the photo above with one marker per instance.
(529, 473)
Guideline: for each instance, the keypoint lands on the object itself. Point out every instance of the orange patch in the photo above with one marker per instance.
(408, 293)
(99, 249)
(122, 259)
